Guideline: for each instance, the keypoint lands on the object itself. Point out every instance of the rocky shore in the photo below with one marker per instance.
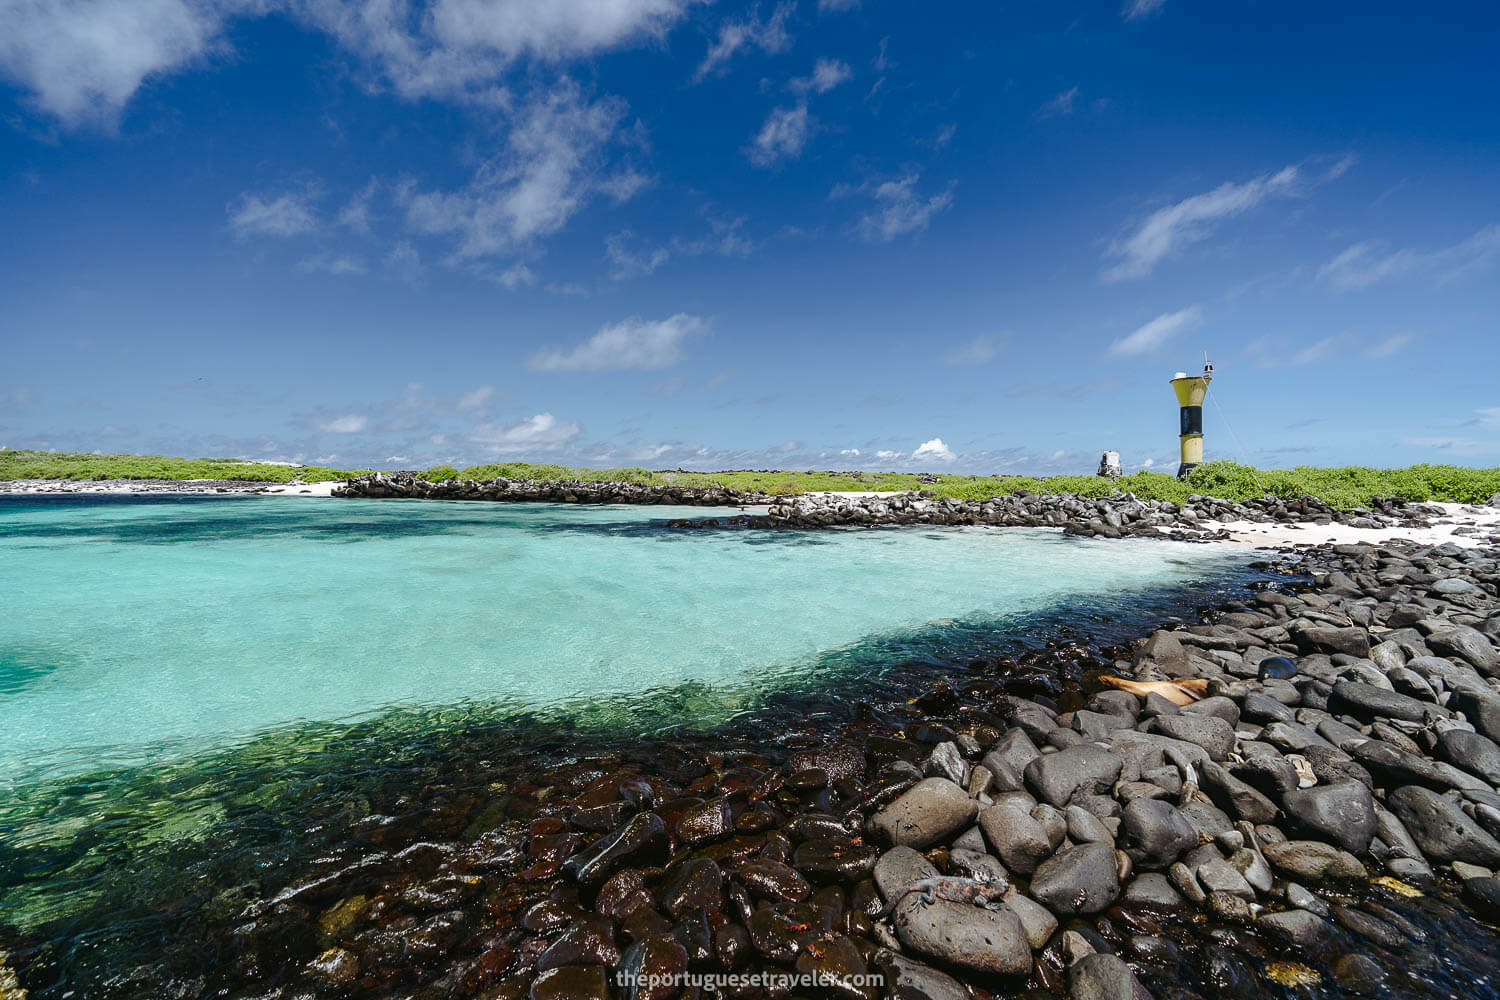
(405, 485)
(1118, 516)
(1303, 799)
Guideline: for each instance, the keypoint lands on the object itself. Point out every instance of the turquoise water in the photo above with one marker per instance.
(136, 630)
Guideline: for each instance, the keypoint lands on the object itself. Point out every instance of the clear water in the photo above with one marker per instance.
(143, 629)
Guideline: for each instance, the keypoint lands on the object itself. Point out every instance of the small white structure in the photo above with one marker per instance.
(1109, 465)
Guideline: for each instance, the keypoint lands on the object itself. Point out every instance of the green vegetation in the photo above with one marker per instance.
(524, 470)
(1349, 486)
(63, 465)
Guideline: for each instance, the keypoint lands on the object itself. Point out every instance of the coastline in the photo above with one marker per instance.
(1276, 832)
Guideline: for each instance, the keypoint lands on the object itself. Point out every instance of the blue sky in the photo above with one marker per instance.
(807, 234)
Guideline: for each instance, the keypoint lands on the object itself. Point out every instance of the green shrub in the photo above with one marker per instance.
(440, 473)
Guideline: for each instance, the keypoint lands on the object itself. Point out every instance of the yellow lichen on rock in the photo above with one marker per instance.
(1291, 974)
(1397, 886)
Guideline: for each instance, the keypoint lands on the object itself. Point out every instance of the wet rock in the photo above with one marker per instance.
(835, 859)
(773, 880)
(1313, 861)
(1298, 927)
(1056, 778)
(1484, 895)
(732, 946)
(776, 936)
(696, 883)
(642, 839)
(336, 966)
(1018, 839)
(1370, 927)
(653, 968)
(839, 967)
(910, 980)
(839, 761)
(946, 761)
(1103, 977)
(706, 823)
(971, 937)
(589, 941)
(1077, 880)
(571, 982)
(1354, 641)
(1359, 974)
(1154, 833)
(1343, 813)
(930, 811)
(1442, 830)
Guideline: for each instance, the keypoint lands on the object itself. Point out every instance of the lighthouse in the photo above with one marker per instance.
(1191, 390)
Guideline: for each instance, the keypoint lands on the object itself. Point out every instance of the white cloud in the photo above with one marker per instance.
(474, 400)
(851, 452)
(460, 48)
(1062, 104)
(406, 262)
(539, 433)
(83, 59)
(888, 456)
(626, 263)
(934, 450)
(633, 343)
(349, 424)
(1155, 333)
(1365, 264)
(899, 209)
(1389, 346)
(738, 35)
(290, 214)
(1317, 351)
(826, 74)
(979, 351)
(1134, 10)
(331, 263)
(355, 215)
(825, 6)
(553, 162)
(1168, 230)
(1490, 416)
(782, 137)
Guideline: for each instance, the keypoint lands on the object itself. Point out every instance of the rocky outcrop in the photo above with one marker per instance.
(406, 485)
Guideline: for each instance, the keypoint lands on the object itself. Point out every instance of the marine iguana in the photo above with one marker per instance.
(955, 890)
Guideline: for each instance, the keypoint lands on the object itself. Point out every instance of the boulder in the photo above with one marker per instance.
(931, 810)
(1076, 880)
(1441, 829)
(1343, 813)
(1017, 839)
(971, 937)
(1056, 778)
(1154, 834)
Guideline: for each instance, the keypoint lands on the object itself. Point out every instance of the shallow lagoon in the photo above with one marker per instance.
(143, 628)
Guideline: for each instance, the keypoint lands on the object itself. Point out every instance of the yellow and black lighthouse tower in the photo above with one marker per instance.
(1191, 390)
